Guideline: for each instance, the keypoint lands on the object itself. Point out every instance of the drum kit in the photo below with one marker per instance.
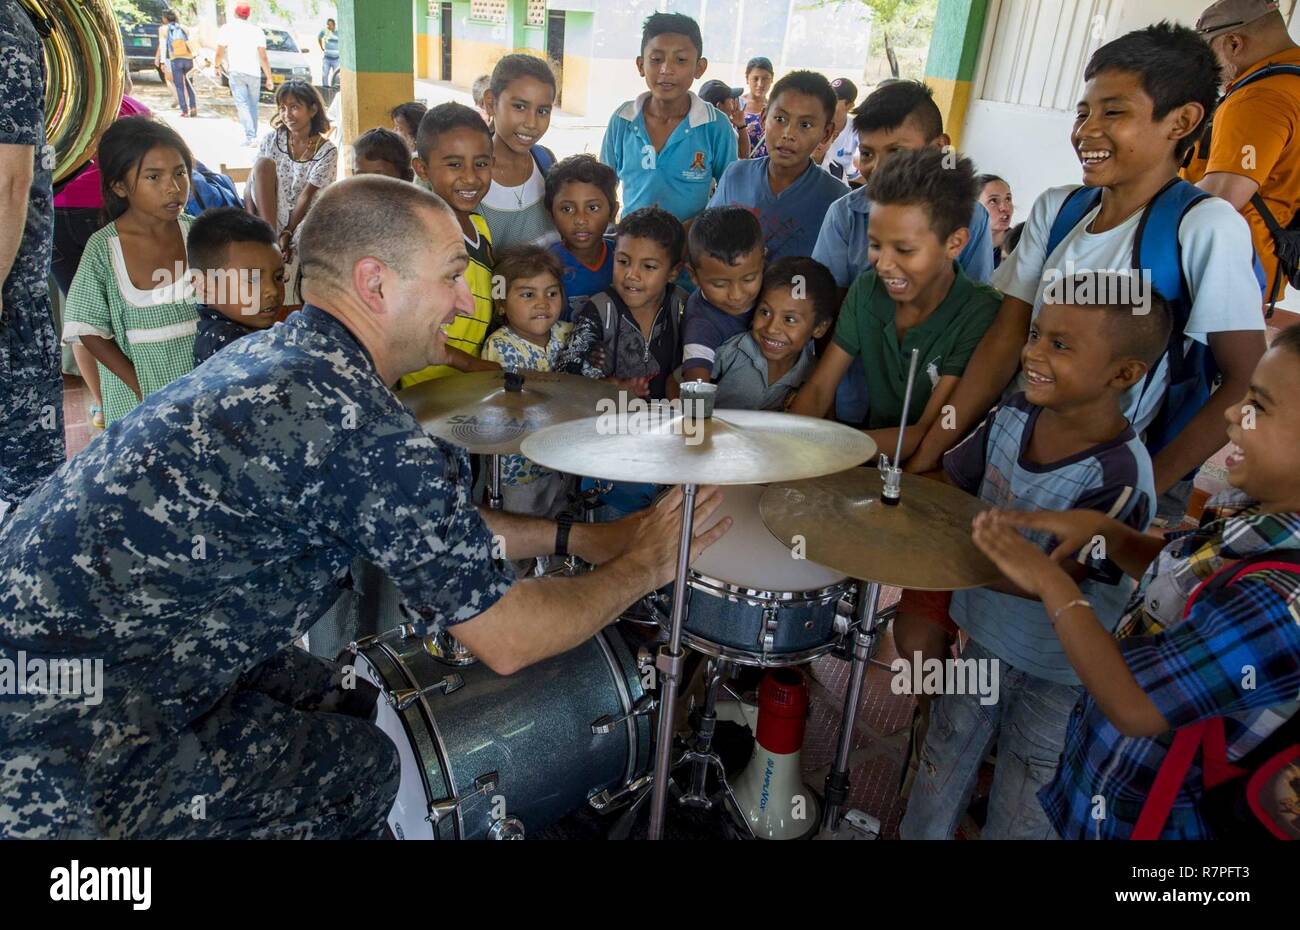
(797, 576)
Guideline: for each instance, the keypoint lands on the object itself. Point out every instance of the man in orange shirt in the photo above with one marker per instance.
(1248, 150)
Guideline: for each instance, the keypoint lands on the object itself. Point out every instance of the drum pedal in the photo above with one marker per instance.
(854, 825)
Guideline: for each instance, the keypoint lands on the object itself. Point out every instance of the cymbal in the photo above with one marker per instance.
(732, 447)
(478, 412)
(923, 542)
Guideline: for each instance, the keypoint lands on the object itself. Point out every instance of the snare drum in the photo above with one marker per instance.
(486, 756)
(753, 602)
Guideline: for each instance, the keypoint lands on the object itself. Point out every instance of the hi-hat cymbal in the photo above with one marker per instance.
(923, 542)
(479, 412)
(732, 447)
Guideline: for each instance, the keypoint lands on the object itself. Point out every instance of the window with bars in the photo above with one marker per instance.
(536, 15)
(488, 11)
(1039, 50)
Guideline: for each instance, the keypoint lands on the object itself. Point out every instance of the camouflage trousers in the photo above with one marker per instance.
(288, 754)
(31, 394)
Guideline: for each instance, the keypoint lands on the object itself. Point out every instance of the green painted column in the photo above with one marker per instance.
(954, 53)
(378, 39)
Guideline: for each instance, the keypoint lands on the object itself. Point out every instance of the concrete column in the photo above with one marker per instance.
(377, 56)
(954, 53)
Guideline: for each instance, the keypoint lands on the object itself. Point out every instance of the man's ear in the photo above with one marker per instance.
(700, 67)
(198, 281)
(821, 329)
(1128, 372)
(368, 281)
(489, 101)
(420, 168)
(942, 141)
(640, 65)
(1185, 120)
(690, 270)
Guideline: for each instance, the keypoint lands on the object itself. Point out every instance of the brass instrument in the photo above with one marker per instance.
(84, 76)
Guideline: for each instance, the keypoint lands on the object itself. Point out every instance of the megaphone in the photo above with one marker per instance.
(770, 791)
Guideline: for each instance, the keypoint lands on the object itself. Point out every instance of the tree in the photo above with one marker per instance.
(892, 17)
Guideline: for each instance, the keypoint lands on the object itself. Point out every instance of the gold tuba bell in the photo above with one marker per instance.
(84, 76)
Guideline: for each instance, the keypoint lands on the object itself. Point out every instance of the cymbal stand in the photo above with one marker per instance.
(864, 633)
(670, 662)
(701, 756)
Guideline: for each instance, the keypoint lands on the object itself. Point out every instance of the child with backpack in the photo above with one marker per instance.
(1189, 728)
(520, 99)
(1143, 107)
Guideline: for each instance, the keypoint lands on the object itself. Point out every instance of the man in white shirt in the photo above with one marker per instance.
(241, 46)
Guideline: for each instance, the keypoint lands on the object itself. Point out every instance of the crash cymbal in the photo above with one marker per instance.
(479, 412)
(923, 542)
(661, 446)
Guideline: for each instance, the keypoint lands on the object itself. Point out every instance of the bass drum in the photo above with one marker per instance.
(486, 756)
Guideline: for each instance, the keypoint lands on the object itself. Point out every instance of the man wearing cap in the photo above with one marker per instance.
(1248, 156)
(241, 47)
(727, 100)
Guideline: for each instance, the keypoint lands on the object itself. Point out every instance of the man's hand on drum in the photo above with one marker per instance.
(656, 532)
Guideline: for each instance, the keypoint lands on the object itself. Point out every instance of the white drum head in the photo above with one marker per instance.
(408, 818)
(749, 556)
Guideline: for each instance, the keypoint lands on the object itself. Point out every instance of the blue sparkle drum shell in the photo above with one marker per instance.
(752, 600)
(532, 728)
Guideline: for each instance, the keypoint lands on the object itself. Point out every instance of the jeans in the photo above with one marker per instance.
(1171, 508)
(181, 68)
(329, 70)
(247, 91)
(1028, 725)
(851, 402)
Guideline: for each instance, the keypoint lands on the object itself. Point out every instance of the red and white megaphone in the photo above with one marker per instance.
(770, 791)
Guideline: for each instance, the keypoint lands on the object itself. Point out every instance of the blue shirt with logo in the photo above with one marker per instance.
(679, 177)
(582, 281)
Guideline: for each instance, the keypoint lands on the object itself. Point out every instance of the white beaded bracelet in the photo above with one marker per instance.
(1077, 602)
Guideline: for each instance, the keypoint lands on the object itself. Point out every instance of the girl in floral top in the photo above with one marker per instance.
(131, 305)
(1234, 655)
(530, 340)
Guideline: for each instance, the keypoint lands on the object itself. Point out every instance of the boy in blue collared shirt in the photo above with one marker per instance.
(725, 255)
(668, 146)
(786, 189)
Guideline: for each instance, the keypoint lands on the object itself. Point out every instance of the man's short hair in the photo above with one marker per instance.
(806, 82)
(446, 117)
(818, 284)
(1175, 67)
(211, 235)
(582, 169)
(658, 24)
(479, 88)
(725, 233)
(657, 225)
(1138, 324)
(890, 105)
(370, 215)
(946, 190)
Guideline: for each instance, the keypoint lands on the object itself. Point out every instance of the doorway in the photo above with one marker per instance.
(446, 41)
(555, 50)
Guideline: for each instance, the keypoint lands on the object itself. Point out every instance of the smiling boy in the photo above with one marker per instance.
(1143, 107)
(668, 146)
(454, 155)
(785, 188)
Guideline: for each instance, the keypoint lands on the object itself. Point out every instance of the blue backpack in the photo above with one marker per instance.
(210, 189)
(544, 157)
(1156, 249)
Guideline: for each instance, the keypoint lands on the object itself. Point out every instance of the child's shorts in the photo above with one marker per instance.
(930, 605)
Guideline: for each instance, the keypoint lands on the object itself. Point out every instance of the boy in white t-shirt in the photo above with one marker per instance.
(839, 154)
(1143, 108)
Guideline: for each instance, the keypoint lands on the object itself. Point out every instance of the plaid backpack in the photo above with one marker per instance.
(1258, 796)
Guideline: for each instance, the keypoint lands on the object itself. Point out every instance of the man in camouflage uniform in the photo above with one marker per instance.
(190, 545)
(31, 387)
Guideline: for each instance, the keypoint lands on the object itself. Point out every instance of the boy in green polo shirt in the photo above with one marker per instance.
(915, 296)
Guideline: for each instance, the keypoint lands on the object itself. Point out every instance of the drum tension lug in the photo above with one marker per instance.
(439, 810)
(608, 724)
(405, 697)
